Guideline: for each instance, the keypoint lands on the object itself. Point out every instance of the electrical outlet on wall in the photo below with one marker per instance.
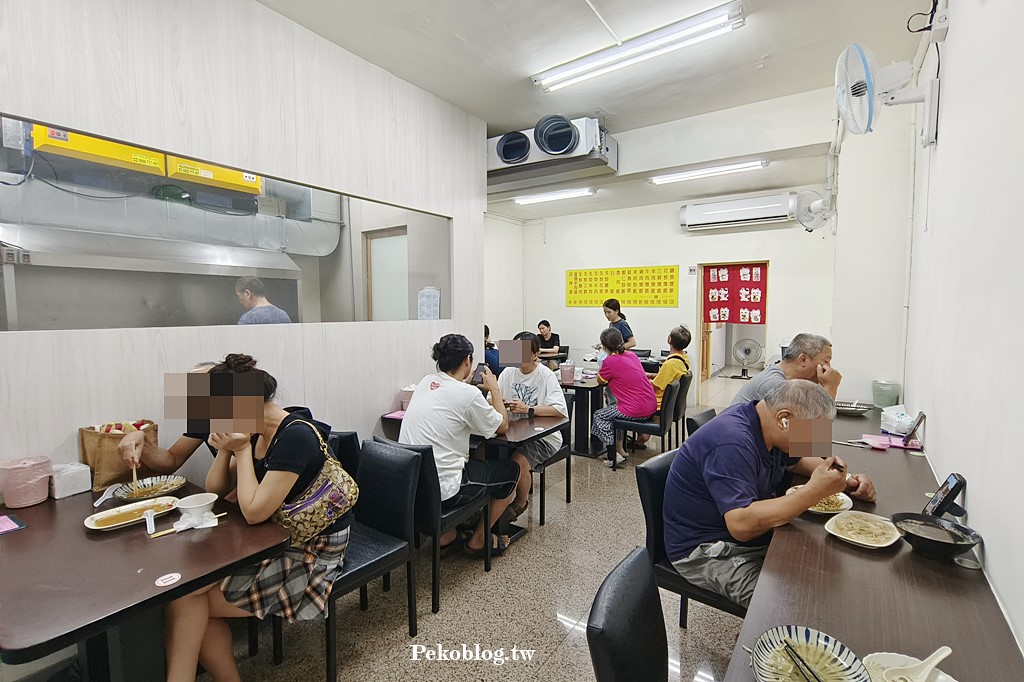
(693, 269)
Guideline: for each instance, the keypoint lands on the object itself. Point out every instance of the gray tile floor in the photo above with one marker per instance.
(537, 597)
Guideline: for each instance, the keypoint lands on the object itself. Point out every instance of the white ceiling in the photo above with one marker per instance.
(480, 54)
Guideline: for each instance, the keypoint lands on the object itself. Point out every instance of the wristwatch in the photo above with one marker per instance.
(529, 413)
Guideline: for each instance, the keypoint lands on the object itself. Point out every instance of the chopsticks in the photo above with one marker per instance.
(135, 481)
(171, 531)
(806, 671)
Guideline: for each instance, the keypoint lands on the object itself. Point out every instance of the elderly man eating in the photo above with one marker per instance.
(808, 356)
(721, 499)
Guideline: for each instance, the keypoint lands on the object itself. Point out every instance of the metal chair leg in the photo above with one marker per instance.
(568, 478)
(277, 626)
(487, 536)
(254, 636)
(331, 631)
(435, 575)
(386, 580)
(364, 598)
(682, 611)
(410, 579)
(542, 486)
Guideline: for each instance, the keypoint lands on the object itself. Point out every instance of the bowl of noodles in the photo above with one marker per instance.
(833, 504)
(828, 658)
(863, 530)
(935, 537)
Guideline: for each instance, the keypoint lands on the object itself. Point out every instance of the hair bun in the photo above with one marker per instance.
(238, 362)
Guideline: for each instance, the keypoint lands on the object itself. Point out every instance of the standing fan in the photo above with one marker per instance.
(746, 352)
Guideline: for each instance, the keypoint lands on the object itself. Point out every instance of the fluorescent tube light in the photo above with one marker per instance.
(709, 172)
(555, 196)
(690, 31)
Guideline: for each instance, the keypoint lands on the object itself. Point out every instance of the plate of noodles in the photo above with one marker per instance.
(863, 530)
(828, 659)
(833, 504)
(151, 487)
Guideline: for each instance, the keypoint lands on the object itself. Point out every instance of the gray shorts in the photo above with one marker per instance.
(536, 452)
(728, 568)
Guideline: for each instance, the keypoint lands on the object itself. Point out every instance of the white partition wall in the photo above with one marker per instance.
(233, 82)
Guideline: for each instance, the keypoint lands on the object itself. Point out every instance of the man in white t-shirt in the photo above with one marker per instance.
(532, 390)
(443, 412)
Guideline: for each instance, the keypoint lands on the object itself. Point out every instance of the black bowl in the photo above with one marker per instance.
(935, 537)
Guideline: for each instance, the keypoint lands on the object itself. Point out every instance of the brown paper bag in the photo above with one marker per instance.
(99, 451)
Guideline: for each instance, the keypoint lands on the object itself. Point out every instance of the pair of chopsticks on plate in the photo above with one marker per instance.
(806, 671)
(171, 531)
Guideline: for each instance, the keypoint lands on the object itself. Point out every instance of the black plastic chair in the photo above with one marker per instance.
(650, 479)
(345, 445)
(641, 353)
(626, 627)
(680, 412)
(563, 350)
(698, 420)
(659, 425)
(434, 521)
(564, 452)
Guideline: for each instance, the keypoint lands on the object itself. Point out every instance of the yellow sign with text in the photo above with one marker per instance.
(652, 286)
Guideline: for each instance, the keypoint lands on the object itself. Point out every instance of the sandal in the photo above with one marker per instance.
(496, 550)
(461, 538)
(513, 512)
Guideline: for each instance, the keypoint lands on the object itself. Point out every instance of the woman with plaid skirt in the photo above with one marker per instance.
(267, 469)
(628, 382)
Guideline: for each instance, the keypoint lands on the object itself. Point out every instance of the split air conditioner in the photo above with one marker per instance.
(772, 208)
(550, 150)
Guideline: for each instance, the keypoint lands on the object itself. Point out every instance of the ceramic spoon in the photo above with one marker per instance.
(107, 494)
(918, 672)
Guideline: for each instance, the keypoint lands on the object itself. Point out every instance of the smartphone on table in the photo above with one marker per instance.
(945, 497)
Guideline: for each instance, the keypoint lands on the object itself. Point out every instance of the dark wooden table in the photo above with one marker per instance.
(522, 430)
(589, 399)
(880, 600)
(61, 584)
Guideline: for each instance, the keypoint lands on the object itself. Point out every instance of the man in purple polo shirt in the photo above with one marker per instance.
(720, 497)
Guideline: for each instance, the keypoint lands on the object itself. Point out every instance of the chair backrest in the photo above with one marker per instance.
(650, 480)
(668, 403)
(563, 350)
(626, 628)
(387, 489)
(640, 353)
(345, 445)
(684, 391)
(698, 420)
(428, 492)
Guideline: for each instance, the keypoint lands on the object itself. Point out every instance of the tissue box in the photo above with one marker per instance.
(896, 420)
(70, 479)
(404, 397)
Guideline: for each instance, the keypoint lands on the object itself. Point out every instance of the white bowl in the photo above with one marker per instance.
(197, 505)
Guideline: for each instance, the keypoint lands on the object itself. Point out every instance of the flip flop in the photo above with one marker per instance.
(495, 550)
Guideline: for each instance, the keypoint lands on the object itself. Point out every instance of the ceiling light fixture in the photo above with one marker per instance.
(690, 31)
(710, 172)
(555, 196)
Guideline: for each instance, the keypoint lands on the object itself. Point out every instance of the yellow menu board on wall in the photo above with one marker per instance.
(652, 286)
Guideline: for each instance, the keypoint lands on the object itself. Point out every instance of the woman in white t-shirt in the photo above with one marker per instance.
(533, 390)
(443, 412)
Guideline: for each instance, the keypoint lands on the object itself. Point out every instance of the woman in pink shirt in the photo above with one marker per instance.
(628, 382)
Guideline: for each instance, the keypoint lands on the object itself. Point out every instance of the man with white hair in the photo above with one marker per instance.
(808, 356)
(721, 500)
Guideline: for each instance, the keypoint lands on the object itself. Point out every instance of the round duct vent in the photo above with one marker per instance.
(556, 134)
(513, 147)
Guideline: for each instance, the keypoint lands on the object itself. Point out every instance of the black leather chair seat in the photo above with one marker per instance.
(370, 553)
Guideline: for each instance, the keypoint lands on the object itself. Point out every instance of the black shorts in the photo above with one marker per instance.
(495, 478)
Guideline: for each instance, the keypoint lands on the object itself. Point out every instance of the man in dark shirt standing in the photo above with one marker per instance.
(720, 497)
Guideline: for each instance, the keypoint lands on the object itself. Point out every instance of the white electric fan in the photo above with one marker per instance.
(862, 90)
(746, 352)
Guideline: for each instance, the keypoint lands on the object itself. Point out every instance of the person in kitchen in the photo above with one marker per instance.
(134, 449)
(252, 294)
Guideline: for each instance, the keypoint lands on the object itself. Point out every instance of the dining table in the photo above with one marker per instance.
(589, 399)
(63, 585)
(879, 600)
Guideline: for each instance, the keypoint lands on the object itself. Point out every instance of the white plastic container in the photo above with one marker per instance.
(885, 393)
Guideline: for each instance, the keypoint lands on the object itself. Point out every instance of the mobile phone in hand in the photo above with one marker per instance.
(478, 374)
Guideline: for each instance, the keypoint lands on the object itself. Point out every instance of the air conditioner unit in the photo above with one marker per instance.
(554, 147)
(772, 208)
